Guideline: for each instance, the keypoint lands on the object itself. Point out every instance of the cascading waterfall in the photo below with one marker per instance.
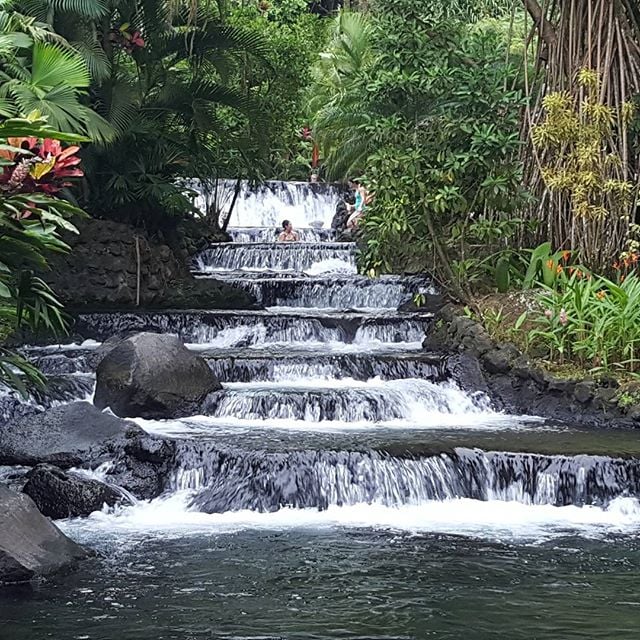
(274, 257)
(266, 205)
(223, 480)
(333, 291)
(270, 234)
(331, 354)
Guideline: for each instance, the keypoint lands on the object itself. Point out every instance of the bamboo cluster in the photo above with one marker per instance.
(573, 37)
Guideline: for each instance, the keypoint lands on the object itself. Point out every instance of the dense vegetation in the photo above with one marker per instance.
(501, 142)
(500, 138)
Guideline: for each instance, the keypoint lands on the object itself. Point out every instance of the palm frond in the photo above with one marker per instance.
(53, 65)
(84, 8)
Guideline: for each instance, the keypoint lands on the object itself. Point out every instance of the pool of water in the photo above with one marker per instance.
(339, 583)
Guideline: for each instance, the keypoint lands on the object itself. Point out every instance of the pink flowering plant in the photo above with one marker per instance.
(590, 320)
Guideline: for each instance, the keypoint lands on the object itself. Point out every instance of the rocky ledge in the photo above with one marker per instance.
(113, 265)
(515, 384)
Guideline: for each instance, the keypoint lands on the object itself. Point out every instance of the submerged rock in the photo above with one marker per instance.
(30, 544)
(66, 436)
(63, 495)
(153, 376)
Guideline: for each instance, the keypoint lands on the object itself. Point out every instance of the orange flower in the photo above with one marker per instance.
(549, 264)
(566, 255)
(559, 269)
(634, 257)
(621, 278)
(600, 295)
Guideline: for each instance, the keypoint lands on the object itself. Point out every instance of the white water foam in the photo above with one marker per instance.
(86, 344)
(331, 265)
(267, 205)
(300, 338)
(496, 520)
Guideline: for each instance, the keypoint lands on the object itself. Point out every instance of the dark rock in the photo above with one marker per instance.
(66, 436)
(583, 392)
(521, 368)
(432, 303)
(478, 344)
(204, 294)
(538, 376)
(30, 544)
(465, 370)
(605, 397)
(153, 376)
(634, 413)
(65, 495)
(565, 387)
(102, 269)
(497, 360)
(144, 466)
(607, 394)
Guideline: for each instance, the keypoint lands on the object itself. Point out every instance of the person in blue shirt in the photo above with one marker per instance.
(358, 207)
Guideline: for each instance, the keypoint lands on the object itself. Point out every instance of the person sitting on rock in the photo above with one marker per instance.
(361, 200)
(288, 234)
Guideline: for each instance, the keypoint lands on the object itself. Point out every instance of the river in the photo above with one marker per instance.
(343, 488)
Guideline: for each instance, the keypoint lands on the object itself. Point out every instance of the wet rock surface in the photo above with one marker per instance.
(144, 466)
(69, 435)
(30, 544)
(153, 376)
(114, 265)
(59, 494)
(516, 385)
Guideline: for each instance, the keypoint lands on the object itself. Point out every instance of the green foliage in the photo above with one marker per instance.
(338, 99)
(167, 97)
(591, 320)
(278, 84)
(545, 266)
(446, 144)
(50, 78)
(29, 228)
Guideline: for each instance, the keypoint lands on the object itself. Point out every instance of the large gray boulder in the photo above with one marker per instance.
(30, 544)
(152, 375)
(67, 495)
(67, 436)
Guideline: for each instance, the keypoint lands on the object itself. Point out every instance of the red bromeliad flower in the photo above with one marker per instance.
(130, 41)
(47, 168)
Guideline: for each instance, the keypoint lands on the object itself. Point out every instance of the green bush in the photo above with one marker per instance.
(590, 320)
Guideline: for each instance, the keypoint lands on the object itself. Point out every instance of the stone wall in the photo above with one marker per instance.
(102, 271)
(518, 386)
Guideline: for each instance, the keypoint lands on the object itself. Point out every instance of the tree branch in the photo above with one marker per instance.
(545, 28)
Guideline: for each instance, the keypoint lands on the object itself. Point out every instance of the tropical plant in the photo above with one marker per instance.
(40, 72)
(445, 165)
(591, 320)
(338, 100)
(34, 168)
(158, 78)
(579, 126)
(278, 84)
(581, 172)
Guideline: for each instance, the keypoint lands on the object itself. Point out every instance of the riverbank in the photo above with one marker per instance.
(520, 384)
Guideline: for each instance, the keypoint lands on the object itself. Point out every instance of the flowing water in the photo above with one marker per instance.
(342, 485)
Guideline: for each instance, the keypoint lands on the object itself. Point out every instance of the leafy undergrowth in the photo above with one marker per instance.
(512, 317)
